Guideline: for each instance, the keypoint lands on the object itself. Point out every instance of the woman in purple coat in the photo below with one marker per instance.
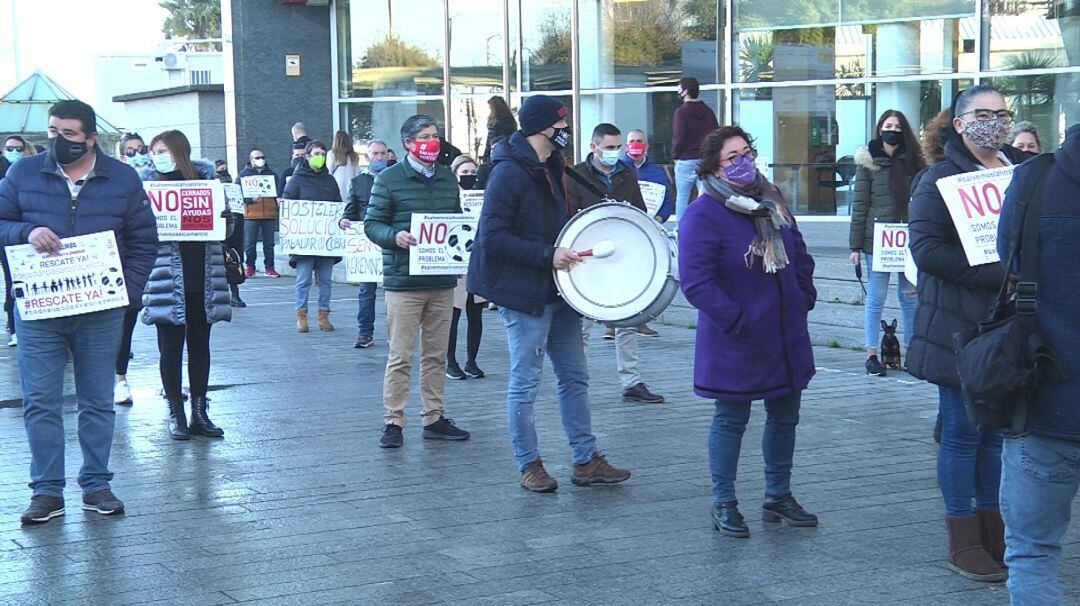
(744, 266)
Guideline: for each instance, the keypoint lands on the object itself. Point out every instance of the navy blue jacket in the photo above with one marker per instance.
(1055, 412)
(524, 210)
(33, 195)
(654, 173)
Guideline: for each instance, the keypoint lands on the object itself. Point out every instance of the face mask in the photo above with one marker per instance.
(163, 163)
(741, 172)
(892, 137)
(317, 162)
(426, 151)
(12, 156)
(67, 152)
(608, 157)
(296, 161)
(560, 138)
(390, 163)
(467, 181)
(988, 134)
(377, 166)
(139, 160)
(258, 163)
(635, 149)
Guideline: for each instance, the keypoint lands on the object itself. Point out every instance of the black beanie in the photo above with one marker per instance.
(539, 112)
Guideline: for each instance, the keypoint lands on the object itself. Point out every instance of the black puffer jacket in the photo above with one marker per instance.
(308, 184)
(953, 296)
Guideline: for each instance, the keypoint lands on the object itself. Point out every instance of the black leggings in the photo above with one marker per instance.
(9, 299)
(123, 356)
(474, 314)
(196, 332)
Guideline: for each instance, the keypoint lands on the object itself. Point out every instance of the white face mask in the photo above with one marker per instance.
(258, 163)
(163, 163)
(608, 157)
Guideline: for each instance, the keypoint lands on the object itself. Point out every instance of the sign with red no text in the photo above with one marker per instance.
(974, 201)
(188, 211)
(890, 247)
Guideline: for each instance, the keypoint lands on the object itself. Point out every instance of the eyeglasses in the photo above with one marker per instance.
(14, 148)
(984, 115)
(131, 153)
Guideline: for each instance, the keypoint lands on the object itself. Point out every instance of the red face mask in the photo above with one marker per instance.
(635, 149)
(426, 151)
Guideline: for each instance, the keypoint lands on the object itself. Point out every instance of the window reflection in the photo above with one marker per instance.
(1051, 102)
(1033, 35)
(383, 119)
(476, 46)
(390, 48)
(651, 112)
(546, 42)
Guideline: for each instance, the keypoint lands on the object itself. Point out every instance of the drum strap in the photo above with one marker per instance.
(585, 182)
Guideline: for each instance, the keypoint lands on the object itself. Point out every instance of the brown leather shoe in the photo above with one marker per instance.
(966, 554)
(536, 478)
(992, 531)
(324, 320)
(598, 471)
(301, 320)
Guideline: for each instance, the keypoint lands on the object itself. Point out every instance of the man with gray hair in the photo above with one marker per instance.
(415, 305)
(359, 196)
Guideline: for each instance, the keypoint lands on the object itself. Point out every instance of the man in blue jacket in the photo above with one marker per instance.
(74, 189)
(525, 207)
(1040, 469)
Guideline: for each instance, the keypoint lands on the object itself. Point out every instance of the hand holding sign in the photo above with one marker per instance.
(974, 201)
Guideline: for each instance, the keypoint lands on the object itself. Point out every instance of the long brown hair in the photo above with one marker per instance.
(910, 144)
(343, 149)
(499, 111)
(933, 144)
(180, 148)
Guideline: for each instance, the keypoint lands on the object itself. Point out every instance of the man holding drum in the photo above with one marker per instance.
(525, 207)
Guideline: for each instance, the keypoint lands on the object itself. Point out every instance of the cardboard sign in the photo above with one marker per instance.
(890, 247)
(472, 202)
(188, 211)
(363, 258)
(310, 227)
(974, 201)
(84, 277)
(444, 242)
(653, 194)
(234, 197)
(259, 186)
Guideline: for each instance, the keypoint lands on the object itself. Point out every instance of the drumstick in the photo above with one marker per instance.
(601, 250)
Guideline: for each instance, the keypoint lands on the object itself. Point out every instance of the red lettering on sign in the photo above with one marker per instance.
(992, 195)
(197, 209)
(971, 202)
(168, 200)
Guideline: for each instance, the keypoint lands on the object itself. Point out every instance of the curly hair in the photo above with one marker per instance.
(933, 144)
(714, 142)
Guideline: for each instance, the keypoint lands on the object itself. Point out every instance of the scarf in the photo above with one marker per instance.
(765, 206)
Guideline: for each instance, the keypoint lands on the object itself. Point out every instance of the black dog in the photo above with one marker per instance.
(890, 346)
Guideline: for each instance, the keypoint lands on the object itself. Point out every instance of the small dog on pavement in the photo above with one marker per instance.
(890, 346)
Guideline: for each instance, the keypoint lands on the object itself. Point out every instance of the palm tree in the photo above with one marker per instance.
(196, 19)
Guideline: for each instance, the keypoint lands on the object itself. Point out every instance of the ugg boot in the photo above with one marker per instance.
(966, 554)
(178, 426)
(301, 320)
(324, 320)
(992, 530)
(201, 425)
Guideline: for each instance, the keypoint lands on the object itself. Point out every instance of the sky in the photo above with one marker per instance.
(60, 37)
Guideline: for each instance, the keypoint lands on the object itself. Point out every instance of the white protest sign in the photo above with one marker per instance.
(444, 242)
(363, 258)
(187, 211)
(234, 197)
(85, 276)
(472, 201)
(310, 227)
(890, 247)
(259, 186)
(974, 200)
(653, 193)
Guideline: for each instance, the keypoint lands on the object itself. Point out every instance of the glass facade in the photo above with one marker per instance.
(807, 78)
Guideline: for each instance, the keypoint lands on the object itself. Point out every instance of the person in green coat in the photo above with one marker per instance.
(415, 305)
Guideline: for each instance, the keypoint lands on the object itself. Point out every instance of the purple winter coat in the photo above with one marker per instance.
(752, 337)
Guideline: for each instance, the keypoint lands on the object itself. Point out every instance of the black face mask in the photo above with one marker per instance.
(390, 163)
(467, 181)
(67, 152)
(892, 137)
(560, 138)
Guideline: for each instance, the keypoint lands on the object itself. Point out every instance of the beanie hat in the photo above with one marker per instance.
(539, 112)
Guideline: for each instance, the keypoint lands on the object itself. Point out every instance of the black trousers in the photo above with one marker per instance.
(474, 314)
(9, 299)
(123, 355)
(171, 339)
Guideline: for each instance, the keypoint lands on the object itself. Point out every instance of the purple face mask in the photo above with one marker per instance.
(741, 172)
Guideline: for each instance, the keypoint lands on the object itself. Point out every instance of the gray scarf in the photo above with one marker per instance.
(763, 204)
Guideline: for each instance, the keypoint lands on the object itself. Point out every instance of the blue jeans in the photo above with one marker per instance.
(777, 445)
(365, 315)
(685, 180)
(557, 333)
(877, 290)
(253, 230)
(1039, 479)
(322, 268)
(43, 348)
(969, 460)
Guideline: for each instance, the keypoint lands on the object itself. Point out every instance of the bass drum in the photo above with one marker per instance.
(633, 285)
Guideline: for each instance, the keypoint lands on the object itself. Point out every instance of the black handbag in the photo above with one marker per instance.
(1002, 361)
(234, 272)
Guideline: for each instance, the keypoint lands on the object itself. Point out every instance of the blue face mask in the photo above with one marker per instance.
(163, 163)
(139, 160)
(12, 156)
(377, 166)
(608, 157)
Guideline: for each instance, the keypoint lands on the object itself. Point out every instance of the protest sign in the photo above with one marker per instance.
(234, 197)
(890, 247)
(653, 193)
(911, 272)
(444, 242)
(259, 186)
(310, 227)
(363, 258)
(85, 276)
(472, 201)
(187, 211)
(974, 201)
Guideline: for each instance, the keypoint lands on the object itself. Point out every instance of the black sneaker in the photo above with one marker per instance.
(473, 371)
(874, 367)
(453, 371)
(786, 508)
(364, 341)
(43, 507)
(727, 519)
(391, 437)
(444, 429)
(641, 393)
(103, 502)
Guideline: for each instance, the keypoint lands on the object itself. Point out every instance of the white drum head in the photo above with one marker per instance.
(627, 282)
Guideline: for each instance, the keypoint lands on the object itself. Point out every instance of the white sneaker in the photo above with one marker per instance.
(122, 393)
(13, 341)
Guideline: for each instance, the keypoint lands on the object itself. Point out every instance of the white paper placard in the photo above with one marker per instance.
(363, 258)
(234, 197)
(188, 211)
(310, 227)
(444, 243)
(472, 201)
(259, 186)
(974, 201)
(890, 247)
(653, 193)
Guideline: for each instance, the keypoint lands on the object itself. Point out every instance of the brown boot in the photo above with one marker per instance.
(301, 320)
(598, 471)
(992, 531)
(324, 320)
(966, 554)
(536, 478)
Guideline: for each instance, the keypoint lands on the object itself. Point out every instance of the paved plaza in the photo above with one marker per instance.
(298, 505)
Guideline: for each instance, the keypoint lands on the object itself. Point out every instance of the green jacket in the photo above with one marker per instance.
(398, 192)
(872, 202)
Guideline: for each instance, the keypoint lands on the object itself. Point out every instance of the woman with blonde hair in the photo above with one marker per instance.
(343, 162)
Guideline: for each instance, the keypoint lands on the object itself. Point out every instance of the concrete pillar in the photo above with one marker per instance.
(898, 55)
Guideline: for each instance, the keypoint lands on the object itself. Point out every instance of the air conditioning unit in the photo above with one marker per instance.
(173, 61)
